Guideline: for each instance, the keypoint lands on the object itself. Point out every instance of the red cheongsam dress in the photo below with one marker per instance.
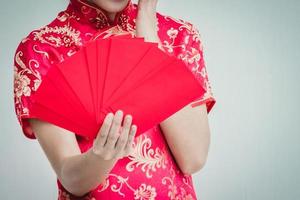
(150, 172)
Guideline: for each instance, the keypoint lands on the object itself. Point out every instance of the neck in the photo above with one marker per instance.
(111, 16)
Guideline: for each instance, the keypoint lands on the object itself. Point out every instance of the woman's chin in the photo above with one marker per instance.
(112, 6)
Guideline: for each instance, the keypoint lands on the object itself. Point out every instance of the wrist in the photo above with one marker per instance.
(92, 154)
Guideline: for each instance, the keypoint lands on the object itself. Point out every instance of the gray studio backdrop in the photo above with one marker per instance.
(252, 55)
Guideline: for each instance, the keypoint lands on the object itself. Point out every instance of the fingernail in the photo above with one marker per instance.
(119, 111)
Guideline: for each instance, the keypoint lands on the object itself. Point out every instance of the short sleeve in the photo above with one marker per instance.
(193, 56)
(29, 61)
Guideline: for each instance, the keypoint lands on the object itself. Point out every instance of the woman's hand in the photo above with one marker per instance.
(113, 140)
(146, 21)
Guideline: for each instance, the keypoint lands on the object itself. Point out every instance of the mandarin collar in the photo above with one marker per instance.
(98, 18)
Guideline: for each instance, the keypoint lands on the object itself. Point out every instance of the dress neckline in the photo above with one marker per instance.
(98, 17)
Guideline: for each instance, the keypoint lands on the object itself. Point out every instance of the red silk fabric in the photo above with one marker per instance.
(150, 172)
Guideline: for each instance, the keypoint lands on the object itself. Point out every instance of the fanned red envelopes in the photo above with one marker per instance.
(105, 75)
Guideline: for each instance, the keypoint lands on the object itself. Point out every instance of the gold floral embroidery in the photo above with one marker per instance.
(192, 57)
(189, 50)
(26, 79)
(191, 29)
(172, 33)
(113, 31)
(121, 180)
(187, 180)
(123, 19)
(175, 192)
(63, 195)
(64, 16)
(144, 155)
(21, 85)
(67, 36)
(143, 192)
(170, 45)
(21, 79)
(44, 53)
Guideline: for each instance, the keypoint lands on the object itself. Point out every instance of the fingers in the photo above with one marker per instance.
(115, 139)
(147, 2)
(122, 140)
(128, 146)
(114, 130)
(104, 130)
(149, 5)
(146, 20)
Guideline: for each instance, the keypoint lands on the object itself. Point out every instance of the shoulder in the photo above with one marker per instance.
(182, 25)
(176, 26)
(51, 39)
(36, 34)
(177, 35)
(33, 56)
(36, 52)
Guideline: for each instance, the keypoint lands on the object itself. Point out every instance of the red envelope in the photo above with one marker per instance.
(105, 75)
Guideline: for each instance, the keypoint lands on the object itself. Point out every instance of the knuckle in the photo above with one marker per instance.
(117, 122)
(97, 151)
(129, 140)
(125, 130)
(103, 134)
(106, 124)
(112, 137)
(122, 141)
(128, 145)
(131, 135)
(132, 132)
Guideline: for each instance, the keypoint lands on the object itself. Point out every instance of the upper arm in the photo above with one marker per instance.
(57, 143)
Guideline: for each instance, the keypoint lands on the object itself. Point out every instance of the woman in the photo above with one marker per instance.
(116, 165)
